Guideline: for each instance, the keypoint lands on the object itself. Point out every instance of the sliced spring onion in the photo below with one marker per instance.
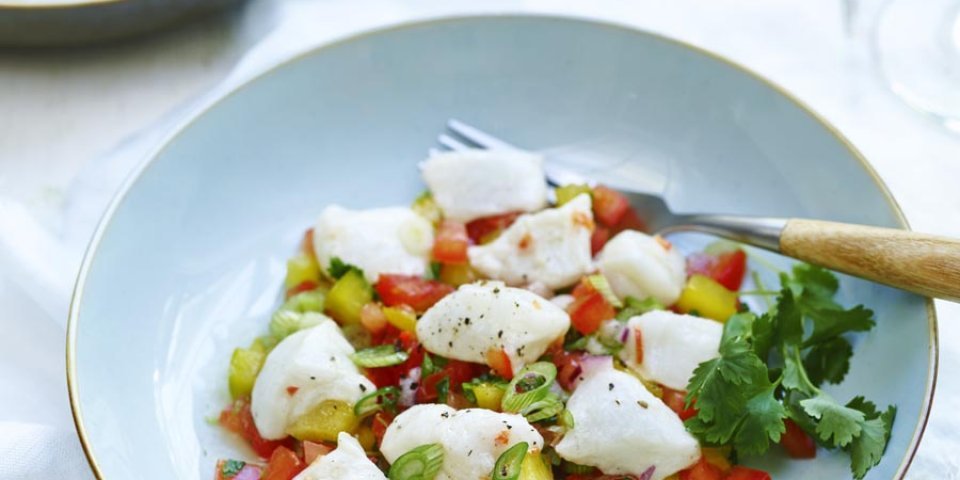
(577, 469)
(427, 207)
(548, 407)
(600, 284)
(380, 356)
(530, 385)
(309, 301)
(508, 465)
(284, 323)
(633, 307)
(382, 399)
(421, 463)
(566, 419)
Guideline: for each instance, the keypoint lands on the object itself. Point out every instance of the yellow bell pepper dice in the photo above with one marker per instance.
(301, 268)
(535, 468)
(324, 422)
(457, 274)
(401, 318)
(488, 395)
(347, 297)
(569, 192)
(707, 298)
(245, 365)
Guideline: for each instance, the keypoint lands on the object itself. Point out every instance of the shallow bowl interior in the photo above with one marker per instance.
(190, 259)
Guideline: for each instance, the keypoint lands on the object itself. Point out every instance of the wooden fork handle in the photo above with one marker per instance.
(921, 263)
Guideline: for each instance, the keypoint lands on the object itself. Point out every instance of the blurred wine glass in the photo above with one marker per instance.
(915, 46)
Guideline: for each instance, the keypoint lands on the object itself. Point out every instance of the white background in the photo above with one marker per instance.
(73, 121)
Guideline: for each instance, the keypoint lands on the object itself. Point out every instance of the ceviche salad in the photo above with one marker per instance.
(486, 332)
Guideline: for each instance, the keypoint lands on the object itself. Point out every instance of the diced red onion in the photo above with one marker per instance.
(248, 472)
(590, 364)
(648, 473)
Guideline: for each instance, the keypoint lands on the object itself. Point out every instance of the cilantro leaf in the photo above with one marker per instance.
(794, 375)
(829, 361)
(738, 325)
(763, 335)
(868, 408)
(830, 323)
(838, 425)
(788, 320)
(866, 450)
(339, 268)
(762, 423)
(814, 285)
(771, 366)
(722, 388)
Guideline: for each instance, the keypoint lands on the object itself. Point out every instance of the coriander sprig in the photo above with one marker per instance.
(771, 367)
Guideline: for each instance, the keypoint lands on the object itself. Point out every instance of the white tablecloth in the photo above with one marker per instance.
(73, 123)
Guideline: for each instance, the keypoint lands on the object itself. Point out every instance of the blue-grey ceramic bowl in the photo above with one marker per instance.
(189, 260)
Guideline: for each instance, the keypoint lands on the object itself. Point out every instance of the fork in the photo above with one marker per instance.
(925, 264)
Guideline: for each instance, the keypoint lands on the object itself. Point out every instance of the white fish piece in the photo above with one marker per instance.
(621, 428)
(673, 346)
(479, 183)
(347, 462)
(489, 315)
(314, 365)
(472, 439)
(379, 240)
(551, 247)
(639, 266)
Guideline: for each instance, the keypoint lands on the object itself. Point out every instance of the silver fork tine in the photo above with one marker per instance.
(451, 143)
(478, 137)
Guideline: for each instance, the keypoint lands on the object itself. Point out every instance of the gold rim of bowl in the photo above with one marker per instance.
(72, 319)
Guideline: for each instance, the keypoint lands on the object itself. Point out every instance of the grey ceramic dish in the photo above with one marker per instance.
(31, 23)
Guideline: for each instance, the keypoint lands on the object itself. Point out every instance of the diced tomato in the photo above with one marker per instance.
(484, 229)
(238, 419)
(744, 473)
(796, 442)
(589, 311)
(306, 246)
(284, 465)
(638, 343)
(381, 420)
(312, 450)
(407, 341)
(372, 318)
(410, 290)
(727, 268)
(609, 206)
(702, 470)
(598, 239)
(500, 362)
(589, 308)
(676, 401)
(451, 242)
(631, 221)
(568, 368)
(456, 371)
(304, 286)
